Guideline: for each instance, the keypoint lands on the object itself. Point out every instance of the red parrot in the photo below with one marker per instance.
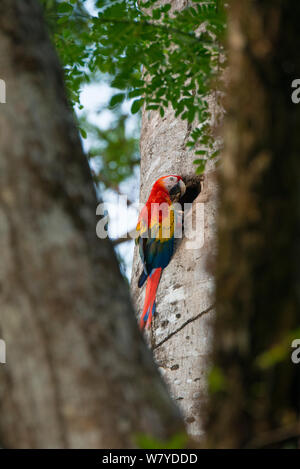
(155, 228)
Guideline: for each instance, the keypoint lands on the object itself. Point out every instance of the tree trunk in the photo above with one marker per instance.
(181, 329)
(78, 373)
(256, 401)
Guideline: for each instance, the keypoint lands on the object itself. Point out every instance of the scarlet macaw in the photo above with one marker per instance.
(155, 228)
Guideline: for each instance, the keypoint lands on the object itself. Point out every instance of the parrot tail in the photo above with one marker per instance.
(149, 305)
(142, 279)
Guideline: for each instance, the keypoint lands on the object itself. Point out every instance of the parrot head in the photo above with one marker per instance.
(174, 185)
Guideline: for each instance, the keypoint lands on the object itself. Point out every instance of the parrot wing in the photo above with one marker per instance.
(155, 236)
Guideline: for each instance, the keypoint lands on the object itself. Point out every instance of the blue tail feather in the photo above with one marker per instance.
(142, 279)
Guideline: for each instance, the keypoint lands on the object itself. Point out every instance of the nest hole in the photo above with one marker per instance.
(193, 185)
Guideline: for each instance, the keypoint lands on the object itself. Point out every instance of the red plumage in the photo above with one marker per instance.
(156, 237)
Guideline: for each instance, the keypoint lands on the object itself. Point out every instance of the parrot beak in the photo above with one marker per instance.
(182, 188)
(178, 190)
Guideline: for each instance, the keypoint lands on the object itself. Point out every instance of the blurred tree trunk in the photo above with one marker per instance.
(257, 391)
(77, 373)
(181, 329)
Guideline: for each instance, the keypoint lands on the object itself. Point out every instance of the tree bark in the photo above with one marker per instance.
(256, 402)
(78, 373)
(181, 329)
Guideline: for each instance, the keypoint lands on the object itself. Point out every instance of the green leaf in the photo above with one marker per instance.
(136, 105)
(83, 132)
(156, 14)
(166, 8)
(117, 99)
(64, 7)
(135, 93)
(201, 166)
(215, 154)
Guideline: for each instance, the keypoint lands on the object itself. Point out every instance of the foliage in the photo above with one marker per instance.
(278, 353)
(216, 380)
(177, 441)
(154, 55)
(69, 24)
(108, 143)
(114, 151)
